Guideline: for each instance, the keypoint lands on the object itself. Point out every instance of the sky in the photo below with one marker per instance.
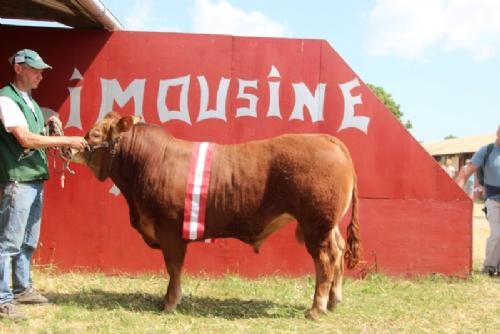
(439, 59)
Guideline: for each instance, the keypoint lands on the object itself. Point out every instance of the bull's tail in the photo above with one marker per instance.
(353, 249)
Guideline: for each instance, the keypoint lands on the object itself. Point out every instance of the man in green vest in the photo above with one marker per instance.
(23, 169)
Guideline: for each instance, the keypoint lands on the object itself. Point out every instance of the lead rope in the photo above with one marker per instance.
(64, 153)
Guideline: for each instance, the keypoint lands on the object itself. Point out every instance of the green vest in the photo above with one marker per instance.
(16, 162)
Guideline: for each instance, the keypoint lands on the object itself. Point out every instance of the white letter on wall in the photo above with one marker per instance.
(74, 110)
(303, 97)
(111, 91)
(251, 110)
(274, 93)
(349, 120)
(164, 113)
(74, 118)
(220, 113)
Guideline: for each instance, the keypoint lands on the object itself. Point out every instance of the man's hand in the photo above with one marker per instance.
(74, 142)
(77, 143)
(464, 174)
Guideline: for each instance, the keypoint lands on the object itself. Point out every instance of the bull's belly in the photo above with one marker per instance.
(270, 227)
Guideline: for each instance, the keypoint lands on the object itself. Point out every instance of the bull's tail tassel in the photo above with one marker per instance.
(353, 250)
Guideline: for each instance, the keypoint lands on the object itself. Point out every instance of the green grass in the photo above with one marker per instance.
(97, 303)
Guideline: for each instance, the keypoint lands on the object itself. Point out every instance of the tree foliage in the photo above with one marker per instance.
(389, 102)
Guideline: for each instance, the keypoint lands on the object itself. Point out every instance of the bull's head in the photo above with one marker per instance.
(102, 141)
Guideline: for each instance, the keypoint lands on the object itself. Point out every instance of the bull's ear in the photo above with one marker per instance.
(125, 123)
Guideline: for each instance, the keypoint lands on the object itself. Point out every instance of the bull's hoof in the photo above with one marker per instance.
(332, 305)
(313, 314)
(169, 308)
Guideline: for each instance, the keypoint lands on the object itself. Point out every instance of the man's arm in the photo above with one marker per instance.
(29, 139)
(15, 123)
(464, 174)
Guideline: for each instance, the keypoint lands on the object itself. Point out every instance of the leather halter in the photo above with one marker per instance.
(112, 145)
(107, 144)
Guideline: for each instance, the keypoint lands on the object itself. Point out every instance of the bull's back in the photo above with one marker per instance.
(257, 181)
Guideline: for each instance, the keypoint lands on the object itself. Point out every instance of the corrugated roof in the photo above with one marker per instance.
(458, 145)
(73, 13)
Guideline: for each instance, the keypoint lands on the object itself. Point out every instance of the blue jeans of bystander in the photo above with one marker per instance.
(20, 220)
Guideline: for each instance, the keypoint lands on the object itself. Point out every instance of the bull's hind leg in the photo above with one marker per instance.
(174, 250)
(337, 262)
(321, 255)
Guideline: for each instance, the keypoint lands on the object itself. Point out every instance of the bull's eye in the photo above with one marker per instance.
(95, 134)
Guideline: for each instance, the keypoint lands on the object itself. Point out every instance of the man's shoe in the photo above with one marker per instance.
(490, 270)
(9, 311)
(30, 296)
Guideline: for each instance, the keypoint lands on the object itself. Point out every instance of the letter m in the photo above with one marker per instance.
(112, 92)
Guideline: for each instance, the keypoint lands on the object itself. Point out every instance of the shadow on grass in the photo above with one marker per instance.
(230, 308)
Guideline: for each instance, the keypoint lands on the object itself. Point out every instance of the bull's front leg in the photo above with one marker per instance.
(174, 250)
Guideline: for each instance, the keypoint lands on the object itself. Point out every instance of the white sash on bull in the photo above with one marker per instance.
(196, 191)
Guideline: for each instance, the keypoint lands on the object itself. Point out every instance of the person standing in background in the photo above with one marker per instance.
(449, 168)
(469, 183)
(492, 195)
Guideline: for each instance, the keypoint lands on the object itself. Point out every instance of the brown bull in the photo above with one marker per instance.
(254, 189)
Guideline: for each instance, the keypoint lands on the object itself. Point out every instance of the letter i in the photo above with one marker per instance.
(74, 118)
(274, 93)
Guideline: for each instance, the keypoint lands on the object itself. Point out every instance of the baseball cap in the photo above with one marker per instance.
(29, 57)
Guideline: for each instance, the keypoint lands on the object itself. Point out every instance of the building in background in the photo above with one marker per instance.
(457, 149)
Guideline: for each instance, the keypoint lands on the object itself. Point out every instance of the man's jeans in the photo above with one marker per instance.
(20, 219)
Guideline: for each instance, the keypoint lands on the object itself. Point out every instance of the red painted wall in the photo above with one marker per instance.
(414, 219)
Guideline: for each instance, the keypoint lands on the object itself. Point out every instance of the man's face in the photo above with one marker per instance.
(29, 76)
